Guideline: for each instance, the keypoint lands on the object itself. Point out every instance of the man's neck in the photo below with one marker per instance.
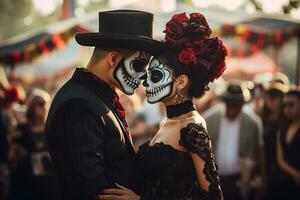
(100, 72)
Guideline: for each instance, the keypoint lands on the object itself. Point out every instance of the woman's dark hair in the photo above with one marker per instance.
(37, 98)
(192, 52)
(198, 83)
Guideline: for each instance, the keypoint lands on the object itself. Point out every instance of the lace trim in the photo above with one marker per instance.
(195, 139)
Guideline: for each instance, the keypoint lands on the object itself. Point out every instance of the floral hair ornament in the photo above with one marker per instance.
(190, 38)
(8, 96)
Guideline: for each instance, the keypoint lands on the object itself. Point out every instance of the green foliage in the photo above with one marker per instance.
(13, 13)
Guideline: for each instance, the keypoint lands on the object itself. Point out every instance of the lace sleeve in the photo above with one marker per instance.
(195, 139)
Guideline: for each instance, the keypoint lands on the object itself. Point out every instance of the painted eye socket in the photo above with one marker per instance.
(139, 65)
(156, 76)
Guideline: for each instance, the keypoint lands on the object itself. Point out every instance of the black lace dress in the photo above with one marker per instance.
(170, 174)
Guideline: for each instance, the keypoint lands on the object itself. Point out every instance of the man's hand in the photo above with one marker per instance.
(120, 193)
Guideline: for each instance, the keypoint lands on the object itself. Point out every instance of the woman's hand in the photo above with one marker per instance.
(120, 193)
(296, 178)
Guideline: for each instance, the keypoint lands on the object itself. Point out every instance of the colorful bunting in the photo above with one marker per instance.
(253, 33)
(42, 47)
(275, 36)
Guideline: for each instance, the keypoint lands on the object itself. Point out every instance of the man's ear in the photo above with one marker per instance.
(113, 58)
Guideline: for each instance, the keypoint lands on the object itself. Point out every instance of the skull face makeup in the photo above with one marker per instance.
(129, 71)
(159, 82)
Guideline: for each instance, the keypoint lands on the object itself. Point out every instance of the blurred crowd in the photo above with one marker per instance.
(254, 126)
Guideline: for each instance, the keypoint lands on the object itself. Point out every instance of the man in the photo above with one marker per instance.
(87, 134)
(235, 139)
(8, 96)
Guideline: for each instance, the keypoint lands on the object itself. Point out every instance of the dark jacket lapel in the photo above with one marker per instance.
(104, 92)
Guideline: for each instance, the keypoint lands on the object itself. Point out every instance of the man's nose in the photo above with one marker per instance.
(145, 83)
(144, 77)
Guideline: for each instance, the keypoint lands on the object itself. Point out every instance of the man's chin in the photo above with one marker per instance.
(151, 101)
(127, 91)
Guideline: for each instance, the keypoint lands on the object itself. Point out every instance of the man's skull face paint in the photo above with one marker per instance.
(159, 82)
(130, 71)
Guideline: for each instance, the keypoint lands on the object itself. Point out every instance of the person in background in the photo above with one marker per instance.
(211, 97)
(8, 95)
(31, 177)
(259, 81)
(273, 119)
(235, 138)
(280, 77)
(288, 151)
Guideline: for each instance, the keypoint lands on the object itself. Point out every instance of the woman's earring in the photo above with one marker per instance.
(179, 97)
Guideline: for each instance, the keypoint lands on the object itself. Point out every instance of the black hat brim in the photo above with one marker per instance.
(239, 99)
(141, 43)
(233, 101)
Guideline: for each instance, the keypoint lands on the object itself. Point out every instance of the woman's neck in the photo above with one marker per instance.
(172, 102)
(37, 123)
(180, 111)
(183, 116)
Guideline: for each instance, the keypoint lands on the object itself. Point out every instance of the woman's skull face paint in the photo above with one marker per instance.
(130, 71)
(159, 82)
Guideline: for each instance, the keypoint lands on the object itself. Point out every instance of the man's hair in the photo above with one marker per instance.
(294, 91)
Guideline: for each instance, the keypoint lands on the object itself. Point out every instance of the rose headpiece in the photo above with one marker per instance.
(8, 96)
(190, 38)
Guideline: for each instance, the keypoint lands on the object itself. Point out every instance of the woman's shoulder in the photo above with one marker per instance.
(194, 136)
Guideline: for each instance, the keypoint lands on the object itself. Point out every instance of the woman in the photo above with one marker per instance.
(178, 162)
(31, 175)
(288, 154)
(273, 119)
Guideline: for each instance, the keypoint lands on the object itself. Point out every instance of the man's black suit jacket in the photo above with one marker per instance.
(89, 147)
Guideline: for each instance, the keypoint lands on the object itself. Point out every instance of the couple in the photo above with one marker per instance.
(88, 137)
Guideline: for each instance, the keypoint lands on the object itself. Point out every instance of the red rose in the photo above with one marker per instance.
(180, 17)
(175, 32)
(216, 47)
(216, 57)
(12, 94)
(198, 26)
(198, 17)
(187, 56)
(199, 47)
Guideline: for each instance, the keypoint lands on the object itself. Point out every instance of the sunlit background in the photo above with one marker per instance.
(38, 50)
(19, 16)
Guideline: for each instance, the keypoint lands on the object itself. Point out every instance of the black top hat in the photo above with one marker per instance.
(129, 29)
(236, 94)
